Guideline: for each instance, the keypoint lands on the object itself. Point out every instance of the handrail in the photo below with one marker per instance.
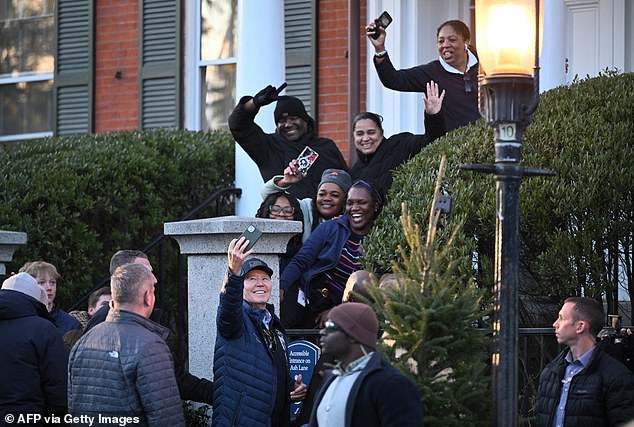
(214, 196)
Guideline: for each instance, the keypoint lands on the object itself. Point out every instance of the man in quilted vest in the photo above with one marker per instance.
(122, 368)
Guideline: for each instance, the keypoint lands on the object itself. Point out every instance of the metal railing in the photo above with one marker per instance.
(168, 267)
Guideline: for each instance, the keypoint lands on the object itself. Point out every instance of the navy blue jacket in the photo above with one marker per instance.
(460, 106)
(245, 371)
(380, 397)
(33, 359)
(601, 395)
(64, 321)
(320, 253)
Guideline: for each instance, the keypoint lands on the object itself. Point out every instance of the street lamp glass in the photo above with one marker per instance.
(505, 31)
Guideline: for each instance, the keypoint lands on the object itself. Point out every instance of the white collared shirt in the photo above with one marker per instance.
(472, 60)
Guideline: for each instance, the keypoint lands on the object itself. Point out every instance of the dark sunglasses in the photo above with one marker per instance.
(330, 326)
(276, 209)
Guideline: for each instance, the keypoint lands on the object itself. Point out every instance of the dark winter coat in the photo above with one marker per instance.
(319, 254)
(601, 395)
(64, 321)
(380, 397)
(33, 359)
(459, 107)
(246, 371)
(123, 366)
(190, 386)
(376, 168)
(272, 152)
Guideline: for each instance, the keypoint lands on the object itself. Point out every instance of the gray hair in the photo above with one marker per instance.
(126, 282)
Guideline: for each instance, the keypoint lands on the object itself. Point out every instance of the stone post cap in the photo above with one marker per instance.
(212, 235)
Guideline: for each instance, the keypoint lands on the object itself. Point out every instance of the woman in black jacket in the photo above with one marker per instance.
(378, 156)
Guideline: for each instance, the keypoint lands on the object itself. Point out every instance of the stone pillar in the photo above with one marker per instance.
(205, 243)
(9, 242)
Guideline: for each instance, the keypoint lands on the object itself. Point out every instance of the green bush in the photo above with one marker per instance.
(81, 198)
(576, 228)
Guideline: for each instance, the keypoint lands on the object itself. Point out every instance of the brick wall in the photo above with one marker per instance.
(333, 74)
(116, 47)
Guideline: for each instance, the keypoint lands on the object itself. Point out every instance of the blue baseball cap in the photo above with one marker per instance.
(255, 264)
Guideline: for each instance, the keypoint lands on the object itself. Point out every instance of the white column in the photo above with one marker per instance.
(553, 56)
(261, 62)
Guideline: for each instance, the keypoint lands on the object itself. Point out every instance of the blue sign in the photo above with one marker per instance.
(302, 358)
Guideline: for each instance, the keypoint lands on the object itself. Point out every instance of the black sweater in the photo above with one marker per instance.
(272, 153)
(459, 108)
(377, 167)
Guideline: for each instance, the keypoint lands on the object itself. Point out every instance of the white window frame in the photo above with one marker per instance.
(26, 77)
(194, 68)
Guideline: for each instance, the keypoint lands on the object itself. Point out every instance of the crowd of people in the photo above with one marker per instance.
(112, 363)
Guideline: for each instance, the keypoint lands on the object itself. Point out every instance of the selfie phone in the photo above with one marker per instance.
(382, 21)
(252, 234)
(305, 160)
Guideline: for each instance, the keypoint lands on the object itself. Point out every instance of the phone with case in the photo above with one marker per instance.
(305, 160)
(252, 234)
(382, 21)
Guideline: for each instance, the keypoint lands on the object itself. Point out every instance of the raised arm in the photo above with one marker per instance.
(229, 318)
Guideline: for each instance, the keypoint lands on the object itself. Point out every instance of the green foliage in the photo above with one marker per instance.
(576, 228)
(81, 198)
(196, 415)
(430, 334)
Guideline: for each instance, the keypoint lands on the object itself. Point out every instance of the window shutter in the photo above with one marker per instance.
(299, 28)
(159, 73)
(74, 67)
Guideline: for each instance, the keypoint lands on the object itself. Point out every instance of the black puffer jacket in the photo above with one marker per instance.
(123, 367)
(33, 358)
(272, 153)
(602, 394)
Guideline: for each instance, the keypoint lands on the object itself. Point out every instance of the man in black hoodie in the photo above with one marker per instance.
(33, 361)
(295, 130)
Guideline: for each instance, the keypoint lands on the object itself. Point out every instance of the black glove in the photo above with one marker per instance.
(267, 95)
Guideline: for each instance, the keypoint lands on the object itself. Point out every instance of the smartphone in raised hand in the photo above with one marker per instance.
(383, 21)
(304, 161)
(252, 234)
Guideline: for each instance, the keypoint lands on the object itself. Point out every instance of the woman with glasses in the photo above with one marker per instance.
(328, 203)
(455, 71)
(283, 206)
(314, 280)
(377, 155)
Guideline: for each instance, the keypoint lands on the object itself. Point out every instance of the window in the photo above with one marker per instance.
(217, 61)
(27, 31)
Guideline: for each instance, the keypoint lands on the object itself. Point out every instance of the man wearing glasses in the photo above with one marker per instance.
(251, 377)
(362, 389)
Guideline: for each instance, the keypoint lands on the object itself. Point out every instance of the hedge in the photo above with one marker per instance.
(81, 198)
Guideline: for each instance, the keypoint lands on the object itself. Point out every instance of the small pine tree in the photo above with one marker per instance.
(429, 327)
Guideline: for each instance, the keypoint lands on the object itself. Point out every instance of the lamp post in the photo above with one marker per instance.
(508, 46)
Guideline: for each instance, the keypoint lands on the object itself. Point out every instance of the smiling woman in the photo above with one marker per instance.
(455, 71)
(317, 274)
(377, 156)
